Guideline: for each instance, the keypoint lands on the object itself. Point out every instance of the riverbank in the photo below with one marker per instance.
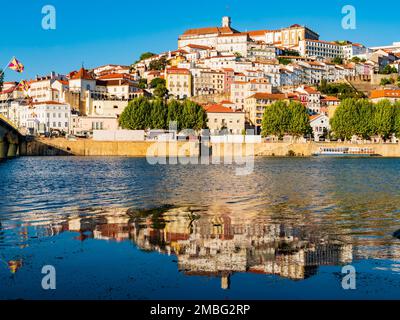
(86, 147)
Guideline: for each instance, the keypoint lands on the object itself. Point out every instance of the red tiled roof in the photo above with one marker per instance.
(115, 76)
(178, 71)
(268, 96)
(386, 93)
(197, 46)
(218, 108)
(49, 102)
(82, 74)
(209, 30)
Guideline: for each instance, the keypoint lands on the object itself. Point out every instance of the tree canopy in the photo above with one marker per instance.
(158, 64)
(362, 118)
(144, 113)
(157, 81)
(339, 90)
(284, 117)
(1, 79)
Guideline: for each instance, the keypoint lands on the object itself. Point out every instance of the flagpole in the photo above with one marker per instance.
(6, 66)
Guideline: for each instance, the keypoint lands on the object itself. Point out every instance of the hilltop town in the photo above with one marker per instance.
(233, 75)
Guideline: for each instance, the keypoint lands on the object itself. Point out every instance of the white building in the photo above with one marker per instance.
(395, 47)
(318, 48)
(41, 117)
(206, 36)
(354, 50)
(320, 125)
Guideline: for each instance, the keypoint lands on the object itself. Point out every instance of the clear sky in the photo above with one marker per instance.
(103, 31)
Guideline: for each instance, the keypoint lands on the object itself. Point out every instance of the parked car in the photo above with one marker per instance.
(71, 137)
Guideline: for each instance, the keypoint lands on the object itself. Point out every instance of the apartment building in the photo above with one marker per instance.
(240, 90)
(318, 48)
(255, 106)
(44, 116)
(222, 119)
(179, 82)
(208, 81)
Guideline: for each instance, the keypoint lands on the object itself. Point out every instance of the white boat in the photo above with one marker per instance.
(346, 152)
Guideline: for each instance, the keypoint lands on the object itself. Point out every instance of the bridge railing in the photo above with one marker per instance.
(9, 122)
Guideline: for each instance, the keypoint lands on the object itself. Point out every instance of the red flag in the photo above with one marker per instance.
(16, 65)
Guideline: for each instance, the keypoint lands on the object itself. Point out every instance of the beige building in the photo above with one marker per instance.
(82, 124)
(179, 82)
(208, 81)
(289, 37)
(255, 105)
(240, 90)
(223, 118)
(206, 36)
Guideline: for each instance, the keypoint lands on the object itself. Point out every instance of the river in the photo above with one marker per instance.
(120, 228)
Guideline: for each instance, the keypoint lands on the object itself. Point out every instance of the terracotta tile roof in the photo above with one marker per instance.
(82, 74)
(268, 96)
(329, 98)
(115, 76)
(197, 46)
(310, 90)
(177, 71)
(218, 108)
(240, 34)
(314, 117)
(386, 93)
(64, 82)
(49, 102)
(209, 30)
(256, 33)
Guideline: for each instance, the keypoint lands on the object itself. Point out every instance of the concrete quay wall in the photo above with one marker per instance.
(85, 147)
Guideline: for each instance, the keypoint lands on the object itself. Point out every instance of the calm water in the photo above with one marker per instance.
(118, 228)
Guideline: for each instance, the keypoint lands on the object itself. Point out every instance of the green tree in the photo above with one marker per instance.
(276, 119)
(158, 64)
(365, 114)
(384, 117)
(142, 84)
(193, 116)
(282, 118)
(146, 55)
(1, 79)
(174, 113)
(284, 61)
(344, 122)
(397, 119)
(160, 91)
(158, 114)
(144, 113)
(337, 60)
(136, 115)
(157, 81)
(388, 69)
(299, 123)
(386, 81)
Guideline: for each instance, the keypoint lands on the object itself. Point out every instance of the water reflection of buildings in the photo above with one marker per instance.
(217, 244)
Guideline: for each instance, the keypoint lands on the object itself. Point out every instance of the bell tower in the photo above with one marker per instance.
(226, 22)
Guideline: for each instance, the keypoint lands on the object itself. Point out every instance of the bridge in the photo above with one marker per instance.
(11, 139)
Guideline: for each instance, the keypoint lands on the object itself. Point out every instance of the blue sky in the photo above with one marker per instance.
(101, 32)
